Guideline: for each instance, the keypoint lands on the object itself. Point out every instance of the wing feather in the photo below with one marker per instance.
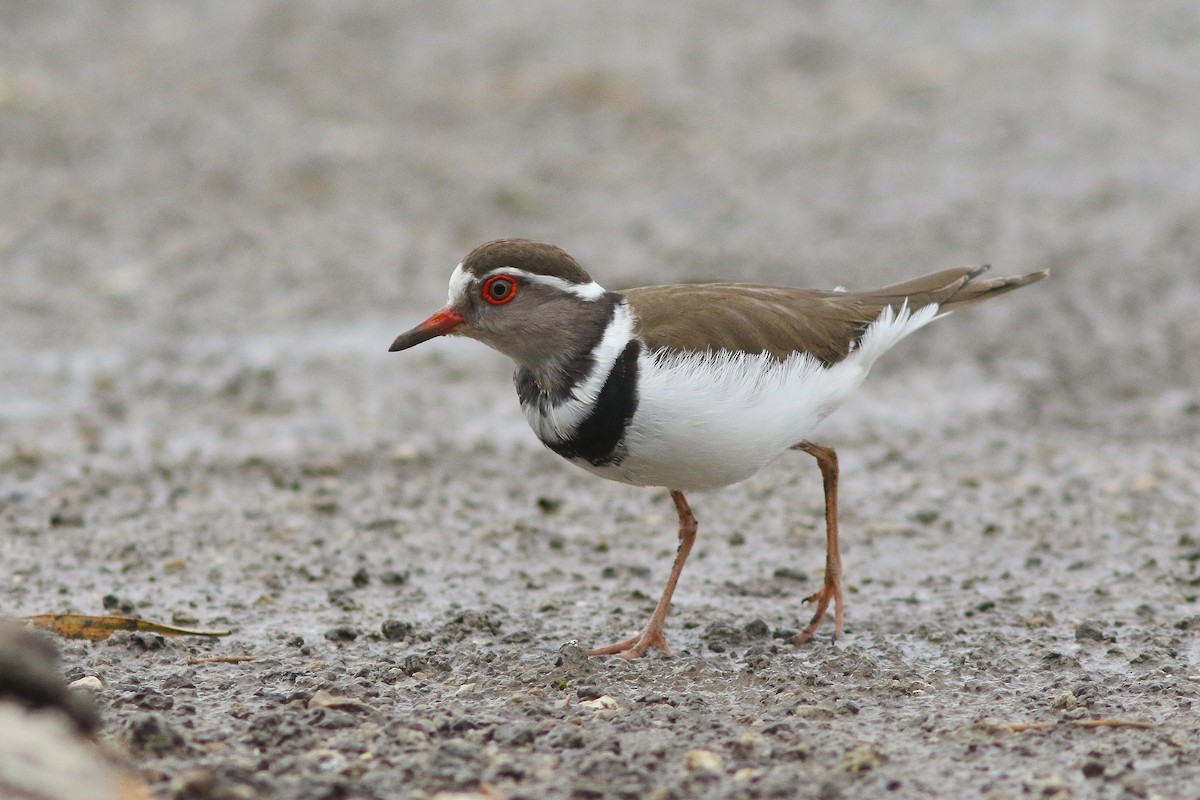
(784, 321)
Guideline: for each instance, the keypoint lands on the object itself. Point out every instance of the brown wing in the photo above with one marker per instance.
(783, 321)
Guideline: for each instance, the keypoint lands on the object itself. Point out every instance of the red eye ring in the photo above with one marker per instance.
(499, 289)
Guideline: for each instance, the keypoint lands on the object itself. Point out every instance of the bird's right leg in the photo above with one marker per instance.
(652, 634)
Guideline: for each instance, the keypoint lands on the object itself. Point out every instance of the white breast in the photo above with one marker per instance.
(706, 420)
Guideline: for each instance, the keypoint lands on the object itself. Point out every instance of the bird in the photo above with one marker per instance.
(687, 387)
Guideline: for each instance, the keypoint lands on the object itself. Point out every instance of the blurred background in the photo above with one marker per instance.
(215, 217)
(242, 203)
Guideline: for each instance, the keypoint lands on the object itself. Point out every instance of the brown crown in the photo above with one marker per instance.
(535, 257)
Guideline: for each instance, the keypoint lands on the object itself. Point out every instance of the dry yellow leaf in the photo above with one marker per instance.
(84, 626)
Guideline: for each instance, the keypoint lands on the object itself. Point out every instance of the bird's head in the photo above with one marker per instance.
(529, 300)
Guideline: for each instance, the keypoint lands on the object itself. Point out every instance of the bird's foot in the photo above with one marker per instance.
(831, 591)
(637, 646)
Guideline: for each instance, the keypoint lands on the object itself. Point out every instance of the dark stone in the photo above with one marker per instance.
(395, 630)
(147, 641)
(113, 603)
(757, 629)
(721, 637)
(151, 734)
(342, 633)
(1091, 631)
(154, 701)
(274, 728)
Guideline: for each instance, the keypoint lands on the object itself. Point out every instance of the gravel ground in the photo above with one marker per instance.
(214, 218)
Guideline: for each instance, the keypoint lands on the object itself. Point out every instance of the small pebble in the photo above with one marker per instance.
(602, 702)
(703, 761)
(1066, 701)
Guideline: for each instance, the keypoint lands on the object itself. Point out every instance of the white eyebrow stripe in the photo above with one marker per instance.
(584, 291)
(459, 280)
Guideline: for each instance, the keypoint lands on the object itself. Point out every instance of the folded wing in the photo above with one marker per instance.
(784, 321)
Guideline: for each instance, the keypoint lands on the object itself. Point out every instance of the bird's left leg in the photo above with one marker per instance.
(832, 590)
(652, 634)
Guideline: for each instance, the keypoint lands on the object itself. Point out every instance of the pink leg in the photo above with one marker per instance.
(832, 590)
(652, 634)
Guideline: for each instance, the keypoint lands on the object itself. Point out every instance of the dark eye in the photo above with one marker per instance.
(499, 289)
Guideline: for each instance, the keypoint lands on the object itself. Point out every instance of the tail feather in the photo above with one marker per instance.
(950, 289)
